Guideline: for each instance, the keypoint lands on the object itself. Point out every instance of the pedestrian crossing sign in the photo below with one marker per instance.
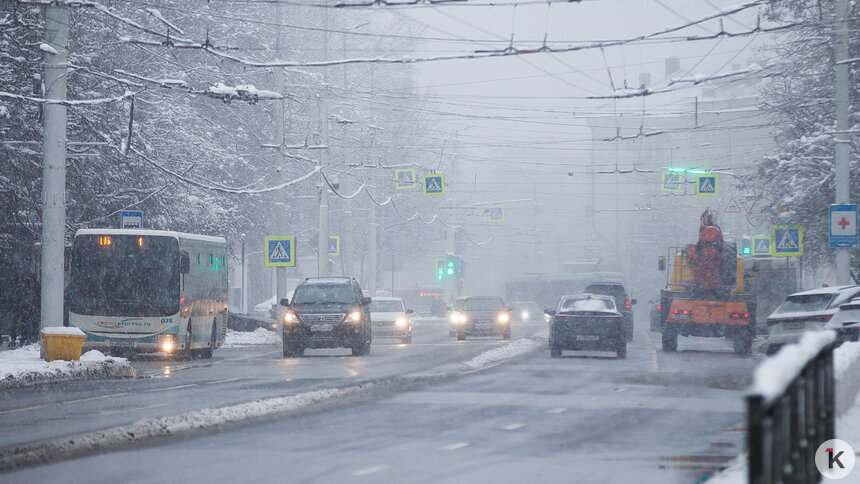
(434, 184)
(706, 185)
(334, 245)
(280, 251)
(496, 214)
(405, 179)
(671, 182)
(786, 240)
(761, 245)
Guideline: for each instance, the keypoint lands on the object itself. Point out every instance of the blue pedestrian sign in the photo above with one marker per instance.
(281, 251)
(334, 245)
(786, 240)
(671, 182)
(434, 184)
(131, 219)
(843, 226)
(706, 185)
(404, 179)
(760, 245)
(496, 214)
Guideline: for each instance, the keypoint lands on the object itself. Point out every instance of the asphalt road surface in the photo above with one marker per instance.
(586, 417)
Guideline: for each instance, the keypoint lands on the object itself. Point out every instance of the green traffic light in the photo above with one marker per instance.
(747, 251)
(450, 271)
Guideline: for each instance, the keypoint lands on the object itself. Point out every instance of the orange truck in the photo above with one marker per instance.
(705, 292)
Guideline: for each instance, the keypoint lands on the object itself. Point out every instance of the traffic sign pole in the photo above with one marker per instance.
(843, 142)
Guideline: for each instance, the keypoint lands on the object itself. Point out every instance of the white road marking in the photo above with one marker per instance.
(515, 426)
(655, 367)
(458, 445)
(228, 380)
(557, 410)
(136, 409)
(370, 470)
(21, 409)
(170, 388)
(95, 398)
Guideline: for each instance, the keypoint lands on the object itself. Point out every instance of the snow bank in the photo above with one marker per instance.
(151, 428)
(774, 374)
(735, 473)
(508, 351)
(846, 370)
(24, 366)
(259, 336)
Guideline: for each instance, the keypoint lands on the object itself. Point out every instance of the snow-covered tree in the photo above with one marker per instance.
(796, 184)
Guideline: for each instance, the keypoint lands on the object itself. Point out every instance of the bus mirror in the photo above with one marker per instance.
(285, 302)
(184, 263)
(661, 263)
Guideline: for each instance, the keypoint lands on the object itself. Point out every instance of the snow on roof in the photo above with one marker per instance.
(386, 298)
(773, 376)
(152, 232)
(823, 290)
(327, 280)
(62, 330)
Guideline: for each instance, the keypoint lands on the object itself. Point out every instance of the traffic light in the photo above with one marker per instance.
(451, 266)
(746, 246)
(440, 269)
(461, 267)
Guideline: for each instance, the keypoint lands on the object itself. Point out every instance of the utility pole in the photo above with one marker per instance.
(372, 259)
(322, 241)
(280, 208)
(54, 165)
(244, 280)
(347, 240)
(843, 144)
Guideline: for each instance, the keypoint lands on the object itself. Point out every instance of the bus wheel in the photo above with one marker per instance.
(207, 352)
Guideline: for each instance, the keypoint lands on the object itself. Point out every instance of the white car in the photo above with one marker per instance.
(805, 311)
(846, 322)
(391, 319)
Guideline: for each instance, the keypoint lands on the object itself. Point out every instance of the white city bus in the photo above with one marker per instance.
(149, 291)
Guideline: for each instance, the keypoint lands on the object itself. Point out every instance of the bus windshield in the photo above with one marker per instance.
(123, 275)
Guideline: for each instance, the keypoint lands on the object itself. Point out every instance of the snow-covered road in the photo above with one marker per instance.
(590, 418)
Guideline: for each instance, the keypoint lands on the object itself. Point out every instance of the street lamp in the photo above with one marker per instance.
(244, 293)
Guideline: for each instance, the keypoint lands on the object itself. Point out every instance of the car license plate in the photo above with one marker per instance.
(484, 326)
(794, 325)
(122, 343)
(587, 337)
(321, 327)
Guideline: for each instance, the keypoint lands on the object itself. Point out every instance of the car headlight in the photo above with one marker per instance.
(400, 322)
(290, 317)
(525, 315)
(503, 318)
(355, 317)
(459, 318)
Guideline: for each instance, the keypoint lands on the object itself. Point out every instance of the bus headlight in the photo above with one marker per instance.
(167, 346)
(167, 342)
(400, 322)
(355, 317)
(503, 318)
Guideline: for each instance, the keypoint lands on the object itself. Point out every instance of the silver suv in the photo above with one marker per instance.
(805, 311)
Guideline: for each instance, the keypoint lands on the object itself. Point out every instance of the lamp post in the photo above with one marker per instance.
(244, 291)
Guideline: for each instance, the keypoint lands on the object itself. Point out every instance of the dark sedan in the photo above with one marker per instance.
(586, 322)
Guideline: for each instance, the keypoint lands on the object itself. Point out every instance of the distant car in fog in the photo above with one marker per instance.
(238, 321)
(623, 303)
(586, 322)
(655, 315)
(525, 311)
(391, 319)
(480, 316)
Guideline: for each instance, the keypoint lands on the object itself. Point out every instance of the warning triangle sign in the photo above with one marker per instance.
(433, 185)
(279, 252)
(733, 206)
(762, 246)
(787, 241)
(706, 186)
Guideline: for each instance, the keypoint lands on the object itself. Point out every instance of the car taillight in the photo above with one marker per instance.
(659, 308)
(821, 317)
(627, 304)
